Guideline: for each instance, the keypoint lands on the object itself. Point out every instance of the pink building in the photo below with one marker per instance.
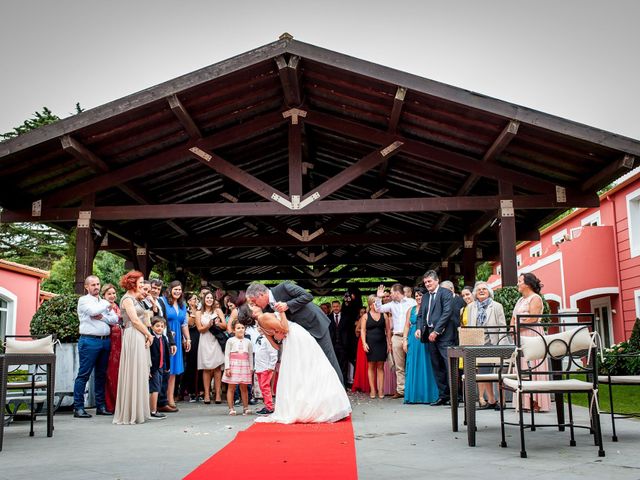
(20, 296)
(590, 261)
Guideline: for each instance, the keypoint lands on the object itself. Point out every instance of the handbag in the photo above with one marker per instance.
(221, 335)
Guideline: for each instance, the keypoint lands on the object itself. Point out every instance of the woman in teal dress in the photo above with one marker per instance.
(420, 384)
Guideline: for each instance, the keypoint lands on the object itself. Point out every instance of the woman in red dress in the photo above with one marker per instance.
(111, 386)
(360, 377)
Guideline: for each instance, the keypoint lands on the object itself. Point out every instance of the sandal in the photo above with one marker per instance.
(380, 396)
(372, 397)
(233, 413)
(247, 411)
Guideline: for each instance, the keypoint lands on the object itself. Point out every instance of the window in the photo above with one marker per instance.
(499, 270)
(559, 237)
(4, 317)
(575, 232)
(519, 260)
(633, 220)
(593, 220)
(536, 250)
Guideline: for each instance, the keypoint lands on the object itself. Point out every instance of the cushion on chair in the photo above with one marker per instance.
(533, 386)
(575, 340)
(41, 345)
(25, 384)
(493, 377)
(620, 379)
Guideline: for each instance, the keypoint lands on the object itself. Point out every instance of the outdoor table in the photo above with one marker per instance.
(27, 359)
(469, 353)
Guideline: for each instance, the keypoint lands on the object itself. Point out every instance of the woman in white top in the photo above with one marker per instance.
(210, 354)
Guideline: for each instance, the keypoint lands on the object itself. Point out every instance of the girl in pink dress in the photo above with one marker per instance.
(238, 367)
(529, 287)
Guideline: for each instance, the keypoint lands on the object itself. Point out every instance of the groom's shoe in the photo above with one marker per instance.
(441, 401)
(81, 413)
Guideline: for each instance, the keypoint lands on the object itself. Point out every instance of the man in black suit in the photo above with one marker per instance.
(297, 303)
(341, 326)
(435, 325)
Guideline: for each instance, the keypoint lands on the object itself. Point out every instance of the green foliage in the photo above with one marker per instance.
(109, 268)
(58, 315)
(509, 296)
(483, 272)
(31, 244)
(39, 119)
(623, 358)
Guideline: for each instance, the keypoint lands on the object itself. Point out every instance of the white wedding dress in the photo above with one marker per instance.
(308, 389)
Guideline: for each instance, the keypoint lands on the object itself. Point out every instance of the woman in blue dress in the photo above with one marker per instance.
(176, 314)
(420, 384)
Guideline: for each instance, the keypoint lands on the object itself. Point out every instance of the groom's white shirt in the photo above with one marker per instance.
(272, 300)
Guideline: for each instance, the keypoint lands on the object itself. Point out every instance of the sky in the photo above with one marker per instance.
(578, 59)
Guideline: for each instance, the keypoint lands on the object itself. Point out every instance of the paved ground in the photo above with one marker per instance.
(392, 441)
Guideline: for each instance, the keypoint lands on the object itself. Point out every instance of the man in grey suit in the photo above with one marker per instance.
(297, 302)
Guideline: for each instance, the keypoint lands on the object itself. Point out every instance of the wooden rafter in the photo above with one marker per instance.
(288, 72)
(183, 117)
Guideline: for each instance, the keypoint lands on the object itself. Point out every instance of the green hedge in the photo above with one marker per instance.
(508, 297)
(58, 316)
(623, 358)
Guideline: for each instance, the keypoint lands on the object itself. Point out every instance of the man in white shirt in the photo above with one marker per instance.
(398, 307)
(95, 315)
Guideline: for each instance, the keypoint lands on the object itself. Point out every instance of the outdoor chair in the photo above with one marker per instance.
(621, 380)
(559, 358)
(31, 388)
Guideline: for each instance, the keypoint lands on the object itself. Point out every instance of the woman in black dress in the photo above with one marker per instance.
(373, 333)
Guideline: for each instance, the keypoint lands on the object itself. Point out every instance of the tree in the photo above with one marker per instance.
(40, 119)
(32, 244)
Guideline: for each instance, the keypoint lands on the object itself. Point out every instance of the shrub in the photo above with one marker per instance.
(508, 297)
(623, 358)
(58, 316)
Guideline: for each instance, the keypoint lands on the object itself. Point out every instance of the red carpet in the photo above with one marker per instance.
(283, 452)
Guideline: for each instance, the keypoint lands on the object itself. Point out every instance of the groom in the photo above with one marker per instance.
(297, 302)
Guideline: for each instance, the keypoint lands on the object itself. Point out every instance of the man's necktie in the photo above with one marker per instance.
(429, 324)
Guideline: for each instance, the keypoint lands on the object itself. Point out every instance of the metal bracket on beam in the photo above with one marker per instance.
(105, 240)
(306, 166)
(294, 113)
(479, 253)
(36, 208)
(506, 208)
(282, 201)
(312, 198)
(391, 148)
(628, 161)
(201, 153)
(141, 251)
(444, 264)
(561, 194)
(400, 93)
(468, 244)
(84, 218)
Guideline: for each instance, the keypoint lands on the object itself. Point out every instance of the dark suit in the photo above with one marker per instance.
(309, 316)
(341, 339)
(439, 319)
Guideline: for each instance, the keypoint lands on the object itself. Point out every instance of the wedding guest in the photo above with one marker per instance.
(210, 354)
(160, 358)
(326, 308)
(408, 291)
(373, 335)
(234, 303)
(191, 385)
(266, 358)
(238, 367)
(95, 316)
(458, 302)
(397, 307)
(420, 386)
(111, 385)
(390, 385)
(132, 402)
(175, 309)
(486, 312)
(361, 375)
(530, 302)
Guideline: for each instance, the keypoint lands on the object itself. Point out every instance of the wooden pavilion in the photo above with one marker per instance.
(288, 160)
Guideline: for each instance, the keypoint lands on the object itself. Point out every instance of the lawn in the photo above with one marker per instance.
(626, 398)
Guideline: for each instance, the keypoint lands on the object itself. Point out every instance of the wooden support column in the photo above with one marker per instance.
(295, 161)
(507, 237)
(85, 250)
(444, 271)
(469, 261)
(144, 264)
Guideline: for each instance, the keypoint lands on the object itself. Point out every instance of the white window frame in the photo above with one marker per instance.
(633, 222)
(499, 270)
(12, 310)
(519, 260)
(575, 232)
(559, 237)
(536, 250)
(591, 219)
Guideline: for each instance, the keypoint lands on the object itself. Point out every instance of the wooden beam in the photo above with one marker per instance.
(428, 152)
(613, 170)
(396, 111)
(295, 160)
(163, 160)
(507, 234)
(354, 171)
(326, 207)
(236, 174)
(288, 72)
(184, 118)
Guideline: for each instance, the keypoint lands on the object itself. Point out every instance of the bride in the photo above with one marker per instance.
(309, 390)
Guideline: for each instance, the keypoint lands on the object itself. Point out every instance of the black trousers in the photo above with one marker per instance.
(440, 364)
(327, 348)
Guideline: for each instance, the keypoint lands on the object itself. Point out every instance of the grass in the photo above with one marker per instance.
(626, 398)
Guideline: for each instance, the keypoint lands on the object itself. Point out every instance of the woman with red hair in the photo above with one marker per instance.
(132, 402)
